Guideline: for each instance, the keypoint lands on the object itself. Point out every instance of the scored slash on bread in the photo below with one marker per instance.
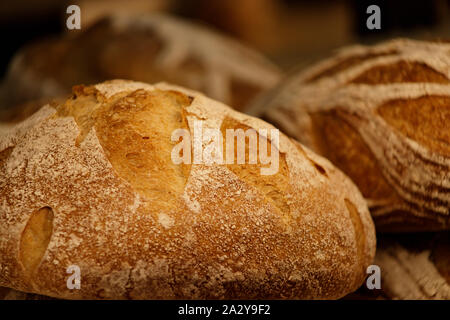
(91, 183)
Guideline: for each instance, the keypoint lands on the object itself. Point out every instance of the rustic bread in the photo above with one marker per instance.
(381, 114)
(415, 266)
(91, 183)
(148, 48)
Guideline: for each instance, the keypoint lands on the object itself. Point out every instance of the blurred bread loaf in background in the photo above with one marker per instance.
(415, 266)
(95, 10)
(148, 48)
(91, 182)
(382, 115)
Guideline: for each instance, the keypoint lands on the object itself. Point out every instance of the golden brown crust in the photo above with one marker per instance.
(148, 48)
(381, 115)
(204, 231)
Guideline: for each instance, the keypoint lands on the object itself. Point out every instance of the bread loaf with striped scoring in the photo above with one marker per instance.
(382, 114)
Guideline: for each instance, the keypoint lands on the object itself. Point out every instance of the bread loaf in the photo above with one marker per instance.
(381, 114)
(92, 184)
(415, 266)
(22, 111)
(148, 48)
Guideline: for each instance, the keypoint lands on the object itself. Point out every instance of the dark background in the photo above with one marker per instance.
(291, 32)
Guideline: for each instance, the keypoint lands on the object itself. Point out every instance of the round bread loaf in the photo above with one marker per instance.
(381, 114)
(148, 48)
(11, 294)
(415, 266)
(93, 184)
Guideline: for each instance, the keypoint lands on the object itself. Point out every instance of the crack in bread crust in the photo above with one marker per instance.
(273, 187)
(35, 239)
(139, 227)
(134, 129)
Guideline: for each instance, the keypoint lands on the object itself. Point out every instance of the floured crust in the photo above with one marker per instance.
(380, 114)
(219, 237)
(148, 48)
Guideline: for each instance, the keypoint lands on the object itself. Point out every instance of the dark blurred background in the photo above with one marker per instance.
(290, 32)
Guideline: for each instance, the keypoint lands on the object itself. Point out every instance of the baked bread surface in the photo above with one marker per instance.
(147, 47)
(381, 114)
(92, 184)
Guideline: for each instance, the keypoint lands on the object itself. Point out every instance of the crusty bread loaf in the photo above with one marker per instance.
(381, 114)
(148, 48)
(92, 184)
(415, 266)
